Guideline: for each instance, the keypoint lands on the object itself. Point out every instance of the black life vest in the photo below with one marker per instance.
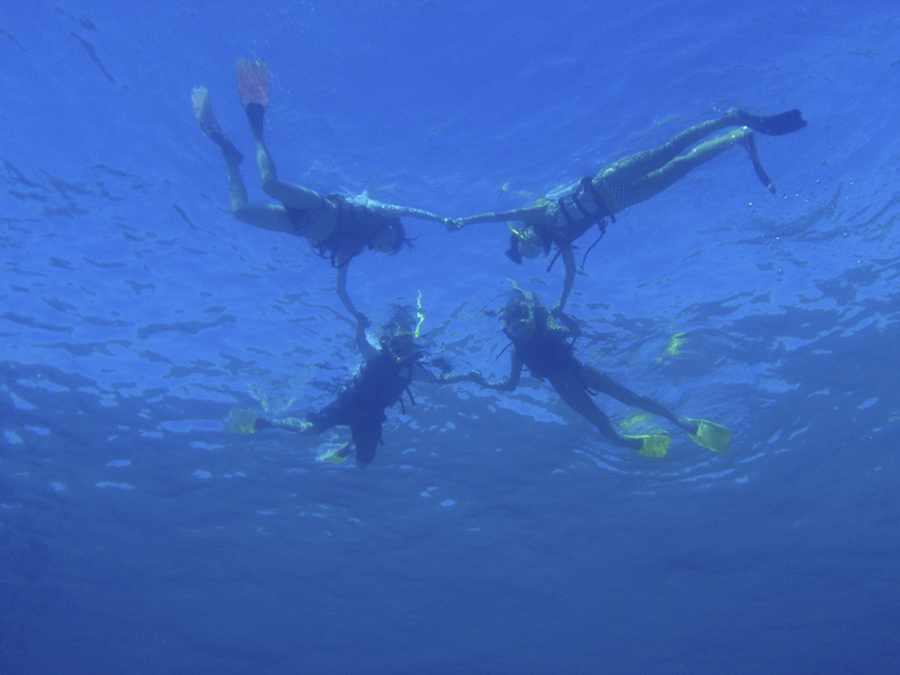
(379, 384)
(545, 355)
(579, 210)
(357, 227)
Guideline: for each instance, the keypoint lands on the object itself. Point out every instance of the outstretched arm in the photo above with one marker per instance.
(394, 210)
(452, 378)
(249, 422)
(345, 298)
(421, 374)
(568, 256)
(533, 214)
(366, 348)
(508, 384)
(511, 381)
(293, 424)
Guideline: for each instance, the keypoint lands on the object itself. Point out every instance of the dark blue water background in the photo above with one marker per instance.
(493, 534)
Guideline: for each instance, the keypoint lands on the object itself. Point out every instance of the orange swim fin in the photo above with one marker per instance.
(253, 82)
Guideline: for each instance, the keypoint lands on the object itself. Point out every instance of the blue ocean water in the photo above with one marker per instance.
(493, 533)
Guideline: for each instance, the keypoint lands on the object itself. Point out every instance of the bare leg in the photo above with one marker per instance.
(287, 193)
(237, 191)
(267, 217)
(572, 390)
(638, 177)
(656, 181)
(603, 383)
(635, 166)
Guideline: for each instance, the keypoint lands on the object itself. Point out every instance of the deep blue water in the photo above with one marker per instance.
(493, 533)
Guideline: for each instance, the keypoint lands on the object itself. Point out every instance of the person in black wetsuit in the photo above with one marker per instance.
(337, 227)
(562, 217)
(385, 375)
(540, 344)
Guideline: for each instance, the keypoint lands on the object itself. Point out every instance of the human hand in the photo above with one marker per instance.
(570, 323)
(453, 224)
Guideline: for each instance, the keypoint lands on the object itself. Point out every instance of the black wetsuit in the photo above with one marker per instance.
(379, 384)
(548, 355)
(545, 354)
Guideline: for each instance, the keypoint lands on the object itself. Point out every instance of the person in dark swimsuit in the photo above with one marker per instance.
(540, 345)
(562, 217)
(337, 227)
(386, 373)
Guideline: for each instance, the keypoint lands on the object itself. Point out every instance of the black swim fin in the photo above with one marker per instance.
(772, 125)
(750, 144)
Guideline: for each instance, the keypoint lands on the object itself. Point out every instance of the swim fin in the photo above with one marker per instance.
(337, 454)
(209, 125)
(772, 125)
(655, 445)
(253, 82)
(750, 143)
(712, 436)
(242, 421)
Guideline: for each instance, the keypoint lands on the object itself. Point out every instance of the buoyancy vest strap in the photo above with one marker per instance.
(602, 226)
(585, 187)
(550, 266)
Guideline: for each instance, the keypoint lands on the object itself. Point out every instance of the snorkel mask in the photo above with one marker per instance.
(401, 346)
(518, 316)
(400, 337)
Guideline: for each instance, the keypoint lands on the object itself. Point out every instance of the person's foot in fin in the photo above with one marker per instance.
(711, 436)
(653, 445)
(243, 421)
(687, 424)
(337, 454)
(209, 125)
(255, 113)
(253, 90)
(771, 125)
(749, 142)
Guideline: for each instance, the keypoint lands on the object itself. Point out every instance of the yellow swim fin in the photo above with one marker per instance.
(336, 454)
(242, 421)
(655, 445)
(712, 436)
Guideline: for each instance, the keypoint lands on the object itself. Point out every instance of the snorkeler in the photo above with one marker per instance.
(540, 344)
(386, 373)
(562, 217)
(337, 227)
